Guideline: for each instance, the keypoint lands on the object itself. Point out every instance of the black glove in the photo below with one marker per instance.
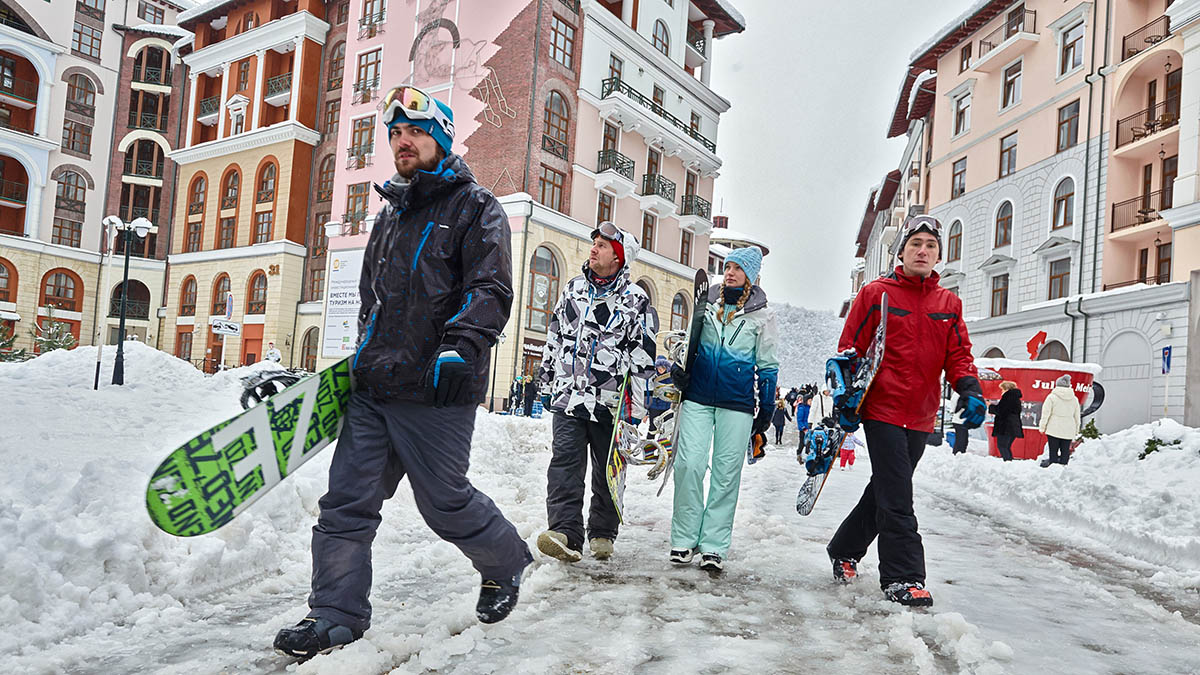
(448, 379)
(762, 422)
(680, 378)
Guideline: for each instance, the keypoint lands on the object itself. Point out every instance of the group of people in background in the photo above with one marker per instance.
(522, 395)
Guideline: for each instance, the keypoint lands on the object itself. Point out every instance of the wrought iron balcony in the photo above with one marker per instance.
(354, 219)
(18, 88)
(76, 205)
(152, 75)
(12, 191)
(1149, 280)
(1148, 122)
(611, 160)
(279, 84)
(359, 156)
(229, 201)
(695, 205)
(147, 121)
(371, 25)
(614, 85)
(696, 39)
(81, 108)
(554, 146)
(256, 307)
(134, 309)
(366, 89)
(1146, 37)
(128, 214)
(1141, 210)
(266, 195)
(656, 184)
(334, 83)
(195, 207)
(325, 195)
(146, 168)
(1021, 22)
(208, 106)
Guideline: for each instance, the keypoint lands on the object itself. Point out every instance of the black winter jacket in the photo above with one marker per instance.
(437, 273)
(1008, 415)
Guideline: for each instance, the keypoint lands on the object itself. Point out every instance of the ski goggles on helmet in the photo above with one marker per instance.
(915, 224)
(608, 231)
(413, 104)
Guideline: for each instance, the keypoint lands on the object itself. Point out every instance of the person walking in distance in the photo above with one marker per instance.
(780, 418)
(846, 452)
(925, 336)
(531, 394)
(598, 337)
(1060, 420)
(1006, 425)
(272, 354)
(736, 368)
(436, 289)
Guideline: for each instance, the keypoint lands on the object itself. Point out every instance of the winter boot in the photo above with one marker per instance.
(602, 548)
(845, 570)
(497, 598)
(711, 562)
(554, 544)
(910, 593)
(682, 556)
(312, 636)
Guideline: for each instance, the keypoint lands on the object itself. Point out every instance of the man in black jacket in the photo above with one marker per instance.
(436, 291)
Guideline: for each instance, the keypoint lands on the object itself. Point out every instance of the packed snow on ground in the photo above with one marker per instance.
(89, 585)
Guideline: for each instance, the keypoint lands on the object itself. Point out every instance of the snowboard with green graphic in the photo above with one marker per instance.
(208, 481)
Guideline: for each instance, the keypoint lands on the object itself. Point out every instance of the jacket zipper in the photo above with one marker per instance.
(421, 246)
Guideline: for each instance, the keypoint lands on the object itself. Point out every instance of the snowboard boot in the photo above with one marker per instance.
(711, 562)
(908, 593)
(497, 598)
(312, 636)
(845, 570)
(554, 544)
(682, 556)
(602, 548)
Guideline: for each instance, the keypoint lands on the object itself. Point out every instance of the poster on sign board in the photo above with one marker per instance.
(342, 303)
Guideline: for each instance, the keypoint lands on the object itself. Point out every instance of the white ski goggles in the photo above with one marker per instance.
(414, 104)
(915, 224)
(608, 231)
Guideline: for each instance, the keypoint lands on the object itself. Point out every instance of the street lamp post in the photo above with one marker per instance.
(139, 227)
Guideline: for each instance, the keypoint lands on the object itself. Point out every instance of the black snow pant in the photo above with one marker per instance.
(886, 507)
(1060, 449)
(381, 442)
(574, 441)
(1004, 445)
(653, 414)
(961, 436)
(778, 434)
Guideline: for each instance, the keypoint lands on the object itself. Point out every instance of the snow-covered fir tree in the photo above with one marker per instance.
(54, 335)
(8, 337)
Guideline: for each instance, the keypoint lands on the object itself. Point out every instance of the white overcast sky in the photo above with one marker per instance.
(812, 85)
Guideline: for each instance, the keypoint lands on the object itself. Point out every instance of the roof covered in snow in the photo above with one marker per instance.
(975, 16)
(738, 239)
(1048, 364)
(726, 17)
(159, 29)
(204, 8)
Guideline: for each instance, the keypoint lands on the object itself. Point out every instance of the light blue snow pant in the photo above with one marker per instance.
(694, 522)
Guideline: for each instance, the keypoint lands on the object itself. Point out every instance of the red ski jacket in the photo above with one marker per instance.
(925, 335)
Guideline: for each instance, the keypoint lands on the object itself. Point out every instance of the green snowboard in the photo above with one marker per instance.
(209, 480)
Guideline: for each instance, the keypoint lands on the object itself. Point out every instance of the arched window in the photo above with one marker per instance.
(993, 353)
(325, 179)
(229, 191)
(679, 312)
(8, 281)
(1004, 224)
(256, 295)
(197, 194)
(61, 291)
(954, 242)
(144, 159)
(152, 65)
(308, 350)
(221, 289)
(72, 191)
(1053, 350)
(266, 184)
(249, 21)
(558, 118)
(543, 284)
(81, 91)
(1064, 204)
(187, 297)
(337, 65)
(662, 39)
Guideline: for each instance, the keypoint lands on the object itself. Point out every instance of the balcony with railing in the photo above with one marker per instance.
(12, 192)
(265, 195)
(207, 110)
(371, 25)
(152, 75)
(554, 146)
(360, 156)
(352, 221)
(19, 92)
(614, 173)
(1012, 38)
(68, 204)
(151, 214)
(134, 309)
(695, 205)
(1149, 280)
(195, 208)
(614, 85)
(1146, 37)
(144, 168)
(366, 89)
(278, 91)
(658, 195)
(147, 120)
(694, 54)
(1145, 123)
(1140, 210)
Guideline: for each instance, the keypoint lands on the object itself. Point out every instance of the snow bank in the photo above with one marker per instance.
(806, 339)
(1146, 509)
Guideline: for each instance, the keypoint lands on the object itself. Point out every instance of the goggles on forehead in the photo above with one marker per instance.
(608, 231)
(915, 224)
(413, 104)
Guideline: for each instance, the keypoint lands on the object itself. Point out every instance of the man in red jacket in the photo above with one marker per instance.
(925, 336)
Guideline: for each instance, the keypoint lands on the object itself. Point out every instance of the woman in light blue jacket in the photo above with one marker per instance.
(717, 416)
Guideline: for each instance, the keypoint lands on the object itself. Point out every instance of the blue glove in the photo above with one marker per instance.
(448, 380)
(973, 409)
(545, 401)
(635, 421)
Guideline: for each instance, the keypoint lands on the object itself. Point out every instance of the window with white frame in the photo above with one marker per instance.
(962, 114)
(1070, 55)
(1012, 86)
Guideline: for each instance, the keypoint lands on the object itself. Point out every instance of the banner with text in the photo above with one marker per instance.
(342, 303)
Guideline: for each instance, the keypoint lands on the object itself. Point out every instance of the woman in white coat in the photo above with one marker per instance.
(1060, 420)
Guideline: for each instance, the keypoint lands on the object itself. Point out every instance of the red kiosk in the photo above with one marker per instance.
(1035, 379)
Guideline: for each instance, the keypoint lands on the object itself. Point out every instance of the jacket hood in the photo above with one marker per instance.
(1064, 393)
(758, 298)
(424, 185)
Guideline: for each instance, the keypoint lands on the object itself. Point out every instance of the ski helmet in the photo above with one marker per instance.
(915, 224)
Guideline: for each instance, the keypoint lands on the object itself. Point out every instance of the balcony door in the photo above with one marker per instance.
(1174, 85)
(1143, 264)
(1170, 169)
(653, 162)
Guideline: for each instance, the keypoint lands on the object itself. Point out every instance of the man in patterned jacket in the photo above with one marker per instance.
(597, 336)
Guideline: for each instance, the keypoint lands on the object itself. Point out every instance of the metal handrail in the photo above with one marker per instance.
(1149, 280)
(363, 86)
(1022, 22)
(256, 307)
(145, 212)
(695, 205)
(195, 207)
(354, 217)
(144, 167)
(1148, 122)
(279, 84)
(147, 121)
(229, 201)
(18, 88)
(324, 195)
(615, 84)
(554, 146)
(696, 39)
(152, 75)
(611, 160)
(1141, 210)
(657, 184)
(13, 191)
(335, 83)
(208, 106)
(1146, 37)
(90, 11)
(572, 4)
(266, 195)
(69, 204)
(134, 309)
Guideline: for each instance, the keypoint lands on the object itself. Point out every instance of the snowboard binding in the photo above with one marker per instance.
(265, 384)
(821, 444)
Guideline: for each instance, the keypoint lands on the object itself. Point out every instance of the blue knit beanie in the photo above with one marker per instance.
(749, 259)
(431, 126)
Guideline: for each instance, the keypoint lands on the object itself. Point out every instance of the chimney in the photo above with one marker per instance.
(721, 221)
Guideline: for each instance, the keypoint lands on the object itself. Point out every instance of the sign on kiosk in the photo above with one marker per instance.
(1036, 380)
